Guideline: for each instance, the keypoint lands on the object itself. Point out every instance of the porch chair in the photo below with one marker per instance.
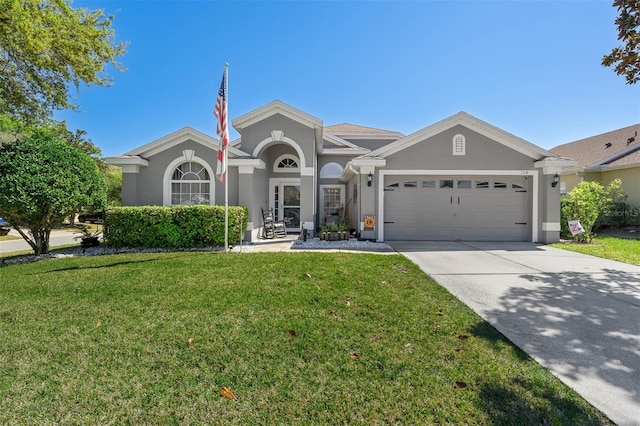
(272, 228)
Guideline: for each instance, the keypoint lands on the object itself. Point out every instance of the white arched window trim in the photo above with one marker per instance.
(277, 136)
(187, 155)
(331, 170)
(283, 157)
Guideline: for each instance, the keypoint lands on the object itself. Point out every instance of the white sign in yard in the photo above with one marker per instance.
(575, 227)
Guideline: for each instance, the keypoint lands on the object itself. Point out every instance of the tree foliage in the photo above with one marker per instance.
(626, 58)
(44, 46)
(42, 181)
(113, 177)
(587, 202)
(79, 140)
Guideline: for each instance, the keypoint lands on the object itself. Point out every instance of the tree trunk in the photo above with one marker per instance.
(40, 241)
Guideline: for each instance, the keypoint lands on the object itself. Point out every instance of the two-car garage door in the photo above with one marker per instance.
(473, 208)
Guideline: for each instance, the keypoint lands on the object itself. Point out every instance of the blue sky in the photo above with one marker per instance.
(531, 68)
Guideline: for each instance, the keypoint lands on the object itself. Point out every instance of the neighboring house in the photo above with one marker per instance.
(603, 158)
(458, 179)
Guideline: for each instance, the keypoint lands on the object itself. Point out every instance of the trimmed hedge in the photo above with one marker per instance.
(172, 227)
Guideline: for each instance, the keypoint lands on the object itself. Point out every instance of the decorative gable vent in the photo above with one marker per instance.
(459, 144)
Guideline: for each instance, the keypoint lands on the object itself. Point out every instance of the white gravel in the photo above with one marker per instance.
(310, 244)
(93, 251)
(351, 244)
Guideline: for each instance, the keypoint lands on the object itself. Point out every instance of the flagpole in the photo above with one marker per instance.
(220, 111)
(226, 171)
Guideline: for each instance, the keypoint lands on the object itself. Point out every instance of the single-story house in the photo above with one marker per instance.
(602, 159)
(458, 179)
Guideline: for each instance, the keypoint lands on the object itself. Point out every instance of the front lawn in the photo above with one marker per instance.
(307, 338)
(625, 250)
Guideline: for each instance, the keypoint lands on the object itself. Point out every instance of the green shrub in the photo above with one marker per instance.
(172, 227)
(622, 214)
(587, 203)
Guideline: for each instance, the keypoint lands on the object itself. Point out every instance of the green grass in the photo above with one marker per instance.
(621, 249)
(300, 338)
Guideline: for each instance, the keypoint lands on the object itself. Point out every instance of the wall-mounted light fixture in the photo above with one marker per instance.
(369, 179)
(556, 179)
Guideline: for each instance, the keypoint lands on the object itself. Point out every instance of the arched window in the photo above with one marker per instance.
(331, 170)
(190, 184)
(286, 163)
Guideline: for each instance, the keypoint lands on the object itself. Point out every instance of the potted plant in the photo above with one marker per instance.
(324, 230)
(89, 238)
(342, 230)
(334, 230)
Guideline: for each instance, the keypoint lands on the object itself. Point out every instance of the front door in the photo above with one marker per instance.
(285, 199)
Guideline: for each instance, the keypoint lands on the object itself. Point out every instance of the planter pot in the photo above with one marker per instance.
(335, 236)
(88, 242)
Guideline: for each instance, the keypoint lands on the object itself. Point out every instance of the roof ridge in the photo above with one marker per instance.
(335, 128)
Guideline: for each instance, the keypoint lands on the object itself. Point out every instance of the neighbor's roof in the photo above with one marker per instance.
(616, 148)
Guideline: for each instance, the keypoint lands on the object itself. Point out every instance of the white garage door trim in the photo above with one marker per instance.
(534, 205)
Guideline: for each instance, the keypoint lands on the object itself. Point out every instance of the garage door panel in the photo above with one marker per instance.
(487, 209)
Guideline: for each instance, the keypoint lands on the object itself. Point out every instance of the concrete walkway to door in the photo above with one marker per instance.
(577, 315)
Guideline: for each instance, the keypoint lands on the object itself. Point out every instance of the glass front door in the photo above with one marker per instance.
(285, 199)
(291, 205)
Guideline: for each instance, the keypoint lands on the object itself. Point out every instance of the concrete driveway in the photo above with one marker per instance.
(577, 315)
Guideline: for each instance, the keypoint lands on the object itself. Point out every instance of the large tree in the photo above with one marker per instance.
(626, 58)
(44, 46)
(42, 181)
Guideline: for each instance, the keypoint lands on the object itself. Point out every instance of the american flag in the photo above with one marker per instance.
(220, 111)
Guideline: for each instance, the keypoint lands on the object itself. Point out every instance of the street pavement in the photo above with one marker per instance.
(577, 315)
(57, 238)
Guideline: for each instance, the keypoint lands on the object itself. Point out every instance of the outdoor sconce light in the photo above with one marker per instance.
(369, 179)
(556, 179)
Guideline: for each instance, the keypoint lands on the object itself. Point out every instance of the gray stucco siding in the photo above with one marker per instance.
(371, 144)
(436, 153)
(150, 179)
(302, 135)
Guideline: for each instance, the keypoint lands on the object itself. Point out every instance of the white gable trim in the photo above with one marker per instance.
(173, 139)
(128, 164)
(462, 118)
(371, 135)
(551, 166)
(272, 108)
(330, 137)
